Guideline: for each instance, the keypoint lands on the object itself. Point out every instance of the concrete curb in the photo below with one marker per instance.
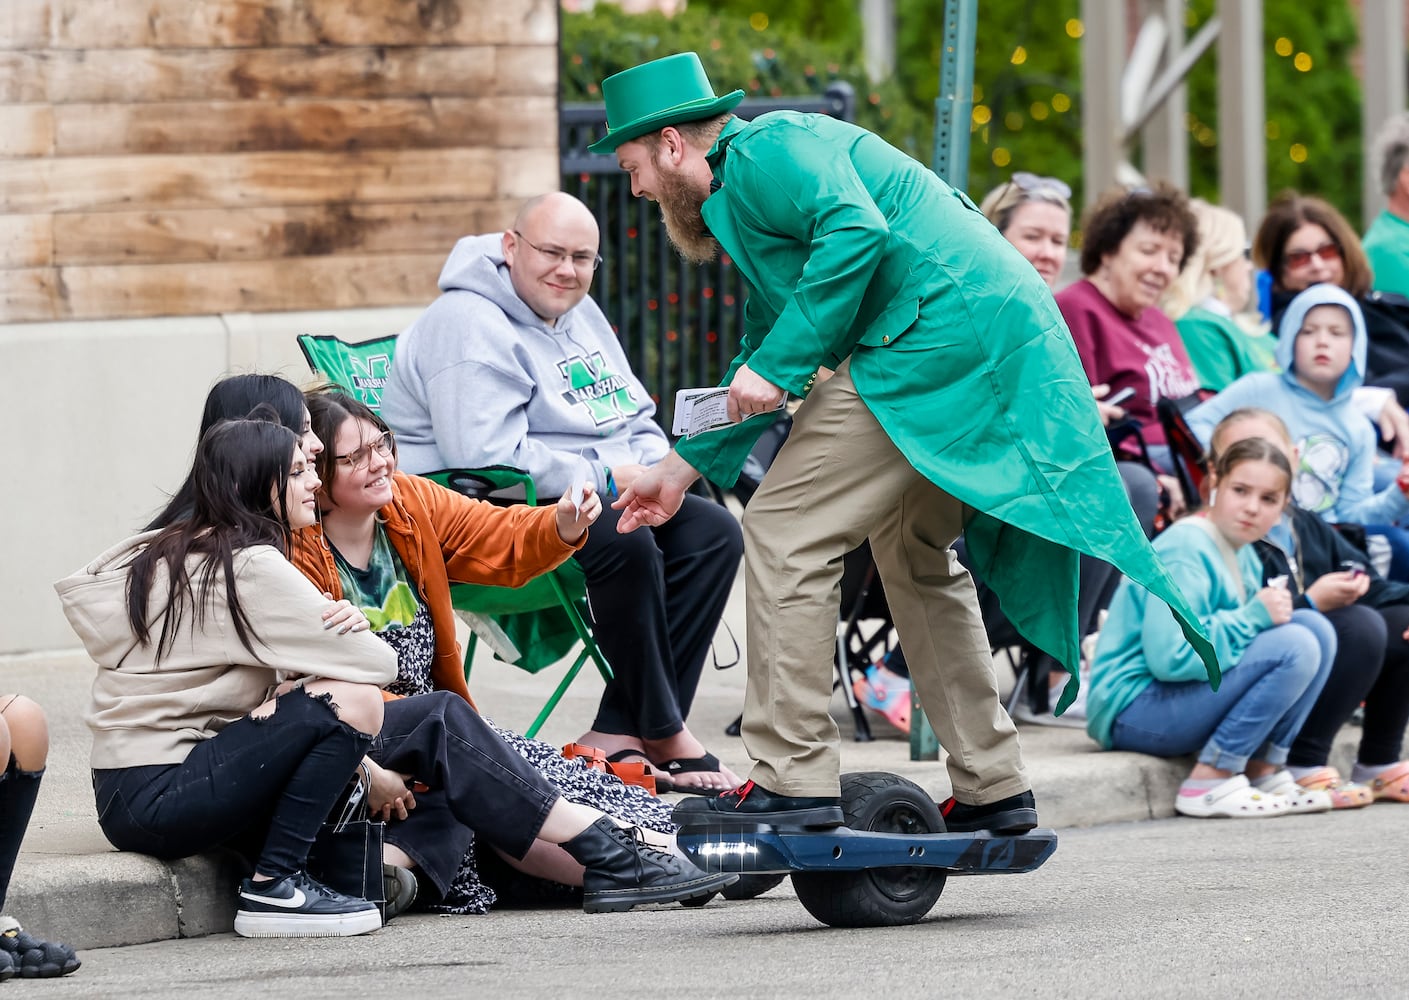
(99, 900)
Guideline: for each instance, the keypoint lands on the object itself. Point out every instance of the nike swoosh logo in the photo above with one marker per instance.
(292, 903)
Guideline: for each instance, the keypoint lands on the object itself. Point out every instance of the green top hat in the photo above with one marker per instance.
(653, 95)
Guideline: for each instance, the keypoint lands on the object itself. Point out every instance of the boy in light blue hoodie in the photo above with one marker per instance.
(1321, 347)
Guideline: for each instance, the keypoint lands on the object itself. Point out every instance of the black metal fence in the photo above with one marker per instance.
(679, 323)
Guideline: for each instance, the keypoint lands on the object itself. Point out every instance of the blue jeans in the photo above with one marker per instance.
(1256, 712)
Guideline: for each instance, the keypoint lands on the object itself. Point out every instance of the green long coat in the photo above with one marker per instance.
(852, 249)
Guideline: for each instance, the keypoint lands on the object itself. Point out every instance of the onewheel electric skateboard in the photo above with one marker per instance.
(886, 867)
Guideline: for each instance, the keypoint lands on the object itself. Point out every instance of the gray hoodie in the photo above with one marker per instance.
(480, 380)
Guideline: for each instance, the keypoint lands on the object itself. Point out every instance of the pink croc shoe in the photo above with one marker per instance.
(1393, 784)
(1344, 794)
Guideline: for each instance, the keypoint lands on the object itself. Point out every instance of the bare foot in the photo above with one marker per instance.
(684, 746)
(613, 743)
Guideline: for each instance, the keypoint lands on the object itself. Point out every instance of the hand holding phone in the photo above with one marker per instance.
(1119, 397)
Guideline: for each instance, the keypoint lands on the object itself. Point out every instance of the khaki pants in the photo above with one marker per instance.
(838, 480)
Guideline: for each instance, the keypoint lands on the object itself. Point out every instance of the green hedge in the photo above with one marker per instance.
(1027, 79)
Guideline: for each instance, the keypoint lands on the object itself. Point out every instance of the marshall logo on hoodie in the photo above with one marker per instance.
(605, 394)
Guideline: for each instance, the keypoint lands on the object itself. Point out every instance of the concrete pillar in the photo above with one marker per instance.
(1164, 139)
(1242, 111)
(1382, 46)
(1102, 63)
(878, 38)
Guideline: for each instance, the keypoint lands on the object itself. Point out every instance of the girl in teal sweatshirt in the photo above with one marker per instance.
(1149, 693)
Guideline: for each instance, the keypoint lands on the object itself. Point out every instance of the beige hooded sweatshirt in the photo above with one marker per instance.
(145, 712)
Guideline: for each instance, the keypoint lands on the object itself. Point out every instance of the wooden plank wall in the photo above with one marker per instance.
(185, 157)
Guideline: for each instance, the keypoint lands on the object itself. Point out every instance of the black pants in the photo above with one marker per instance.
(478, 784)
(657, 595)
(1371, 665)
(280, 774)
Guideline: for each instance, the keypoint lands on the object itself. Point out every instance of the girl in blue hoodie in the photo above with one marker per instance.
(1321, 347)
(1147, 692)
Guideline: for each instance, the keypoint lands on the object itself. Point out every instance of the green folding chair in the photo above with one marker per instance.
(533, 626)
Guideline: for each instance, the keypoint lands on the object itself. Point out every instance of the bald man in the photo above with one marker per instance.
(515, 365)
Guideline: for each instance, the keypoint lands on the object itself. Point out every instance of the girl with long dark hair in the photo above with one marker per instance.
(193, 626)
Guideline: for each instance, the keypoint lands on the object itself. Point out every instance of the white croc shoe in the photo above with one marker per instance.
(1231, 799)
(1299, 799)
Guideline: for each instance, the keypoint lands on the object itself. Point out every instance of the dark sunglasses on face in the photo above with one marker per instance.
(1297, 259)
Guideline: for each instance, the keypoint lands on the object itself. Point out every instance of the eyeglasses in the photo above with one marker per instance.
(1032, 183)
(581, 261)
(384, 446)
(1297, 259)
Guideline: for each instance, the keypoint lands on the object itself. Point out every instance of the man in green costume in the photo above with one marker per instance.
(958, 405)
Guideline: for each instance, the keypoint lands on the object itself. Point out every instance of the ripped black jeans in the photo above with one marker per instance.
(279, 775)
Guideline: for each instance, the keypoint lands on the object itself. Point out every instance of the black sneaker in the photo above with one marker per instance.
(23, 955)
(750, 803)
(1013, 815)
(298, 905)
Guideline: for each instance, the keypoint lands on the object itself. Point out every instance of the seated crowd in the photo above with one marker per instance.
(286, 621)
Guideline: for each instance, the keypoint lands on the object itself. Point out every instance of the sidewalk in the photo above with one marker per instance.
(71, 885)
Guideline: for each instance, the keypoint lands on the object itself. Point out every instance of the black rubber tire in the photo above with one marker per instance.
(750, 886)
(878, 897)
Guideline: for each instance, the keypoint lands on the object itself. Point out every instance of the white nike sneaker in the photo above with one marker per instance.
(298, 905)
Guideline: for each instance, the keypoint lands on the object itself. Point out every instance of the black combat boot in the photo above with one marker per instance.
(624, 870)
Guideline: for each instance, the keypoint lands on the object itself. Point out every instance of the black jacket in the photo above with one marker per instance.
(1320, 549)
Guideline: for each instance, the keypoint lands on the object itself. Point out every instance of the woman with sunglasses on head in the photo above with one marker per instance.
(1213, 289)
(1034, 214)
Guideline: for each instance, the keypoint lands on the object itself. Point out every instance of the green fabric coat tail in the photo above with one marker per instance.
(852, 249)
